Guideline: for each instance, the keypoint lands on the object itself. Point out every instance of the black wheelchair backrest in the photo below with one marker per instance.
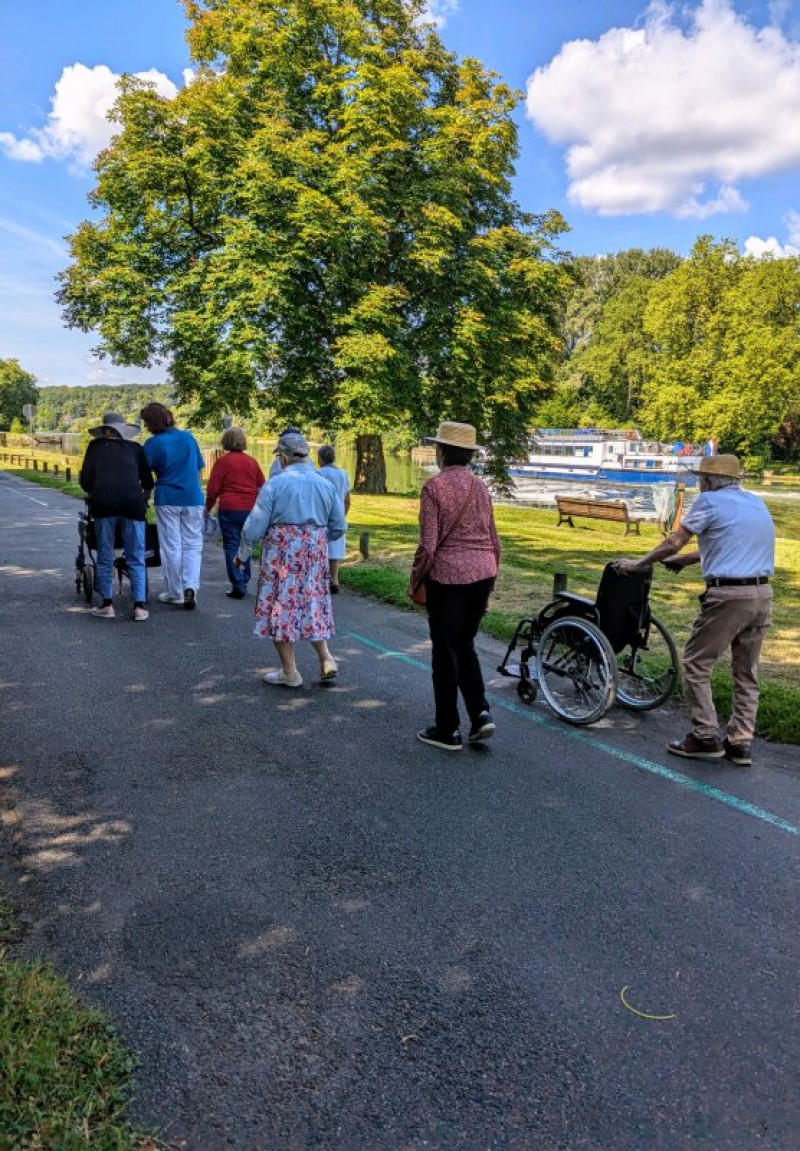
(622, 605)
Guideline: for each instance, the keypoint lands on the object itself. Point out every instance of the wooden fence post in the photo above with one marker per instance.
(363, 545)
(68, 474)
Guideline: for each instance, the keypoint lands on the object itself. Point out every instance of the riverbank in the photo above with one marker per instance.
(534, 549)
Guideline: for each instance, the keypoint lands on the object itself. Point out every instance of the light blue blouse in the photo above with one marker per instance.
(338, 477)
(298, 495)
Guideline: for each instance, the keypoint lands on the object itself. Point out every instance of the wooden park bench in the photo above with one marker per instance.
(616, 510)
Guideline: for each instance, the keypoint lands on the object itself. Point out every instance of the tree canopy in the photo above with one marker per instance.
(17, 388)
(710, 347)
(322, 222)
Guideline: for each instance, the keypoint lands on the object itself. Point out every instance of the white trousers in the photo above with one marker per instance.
(180, 537)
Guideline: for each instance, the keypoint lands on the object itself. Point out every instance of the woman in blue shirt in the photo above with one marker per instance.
(341, 481)
(296, 513)
(176, 461)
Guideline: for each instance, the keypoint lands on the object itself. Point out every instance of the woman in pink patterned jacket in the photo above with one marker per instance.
(456, 562)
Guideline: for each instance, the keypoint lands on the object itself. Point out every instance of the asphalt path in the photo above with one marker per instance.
(318, 933)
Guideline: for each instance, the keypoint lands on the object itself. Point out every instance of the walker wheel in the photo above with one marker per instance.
(88, 584)
(526, 690)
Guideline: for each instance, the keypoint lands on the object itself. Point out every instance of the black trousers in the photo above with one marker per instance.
(454, 615)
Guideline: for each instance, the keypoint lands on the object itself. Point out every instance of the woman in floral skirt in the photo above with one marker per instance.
(297, 512)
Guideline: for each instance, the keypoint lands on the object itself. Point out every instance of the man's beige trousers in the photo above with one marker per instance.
(735, 618)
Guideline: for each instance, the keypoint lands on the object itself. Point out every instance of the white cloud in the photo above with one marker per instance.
(19, 149)
(651, 115)
(438, 11)
(33, 238)
(77, 127)
(756, 246)
(792, 221)
(728, 200)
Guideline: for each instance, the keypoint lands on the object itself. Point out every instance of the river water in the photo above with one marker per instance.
(405, 477)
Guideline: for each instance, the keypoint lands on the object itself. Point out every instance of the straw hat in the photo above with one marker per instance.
(456, 435)
(118, 424)
(722, 465)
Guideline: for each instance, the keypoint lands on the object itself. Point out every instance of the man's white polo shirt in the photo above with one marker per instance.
(735, 533)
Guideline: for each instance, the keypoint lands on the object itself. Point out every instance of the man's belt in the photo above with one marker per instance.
(750, 581)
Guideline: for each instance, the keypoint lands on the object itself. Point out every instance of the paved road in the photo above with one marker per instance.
(319, 934)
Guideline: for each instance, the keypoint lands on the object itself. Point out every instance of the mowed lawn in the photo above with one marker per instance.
(534, 549)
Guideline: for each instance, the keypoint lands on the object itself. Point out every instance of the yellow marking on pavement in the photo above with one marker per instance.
(643, 1014)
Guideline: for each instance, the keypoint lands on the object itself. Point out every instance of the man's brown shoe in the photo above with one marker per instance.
(690, 747)
(739, 753)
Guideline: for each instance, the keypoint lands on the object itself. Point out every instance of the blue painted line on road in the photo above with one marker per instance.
(387, 651)
(578, 736)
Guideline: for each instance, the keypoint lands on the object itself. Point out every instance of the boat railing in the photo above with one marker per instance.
(583, 433)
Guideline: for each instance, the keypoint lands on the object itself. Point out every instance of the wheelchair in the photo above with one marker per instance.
(585, 655)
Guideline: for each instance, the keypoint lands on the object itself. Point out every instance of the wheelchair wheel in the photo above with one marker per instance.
(577, 670)
(526, 690)
(87, 581)
(648, 675)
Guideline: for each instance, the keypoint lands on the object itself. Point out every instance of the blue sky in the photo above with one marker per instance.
(644, 123)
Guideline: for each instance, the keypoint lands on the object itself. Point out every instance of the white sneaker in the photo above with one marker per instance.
(168, 597)
(281, 679)
(140, 614)
(106, 612)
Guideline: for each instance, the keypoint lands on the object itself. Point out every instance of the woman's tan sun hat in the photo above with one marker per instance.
(722, 465)
(456, 436)
(118, 424)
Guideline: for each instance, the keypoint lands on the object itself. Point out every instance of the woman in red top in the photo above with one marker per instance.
(456, 562)
(235, 481)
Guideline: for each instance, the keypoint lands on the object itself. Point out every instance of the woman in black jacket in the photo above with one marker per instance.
(117, 478)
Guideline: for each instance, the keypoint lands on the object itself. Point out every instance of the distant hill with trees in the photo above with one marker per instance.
(63, 409)
(75, 409)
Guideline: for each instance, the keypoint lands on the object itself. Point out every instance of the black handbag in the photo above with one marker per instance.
(152, 552)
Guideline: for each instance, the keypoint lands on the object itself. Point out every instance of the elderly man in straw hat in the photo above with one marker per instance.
(736, 538)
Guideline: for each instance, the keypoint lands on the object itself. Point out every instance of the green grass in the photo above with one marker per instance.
(534, 549)
(65, 1077)
(48, 481)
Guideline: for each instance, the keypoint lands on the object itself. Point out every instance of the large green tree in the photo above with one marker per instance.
(17, 388)
(322, 222)
(698, 348)
(727, 341)
(605, 366)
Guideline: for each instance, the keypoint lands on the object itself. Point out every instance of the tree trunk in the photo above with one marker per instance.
(370, 466)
